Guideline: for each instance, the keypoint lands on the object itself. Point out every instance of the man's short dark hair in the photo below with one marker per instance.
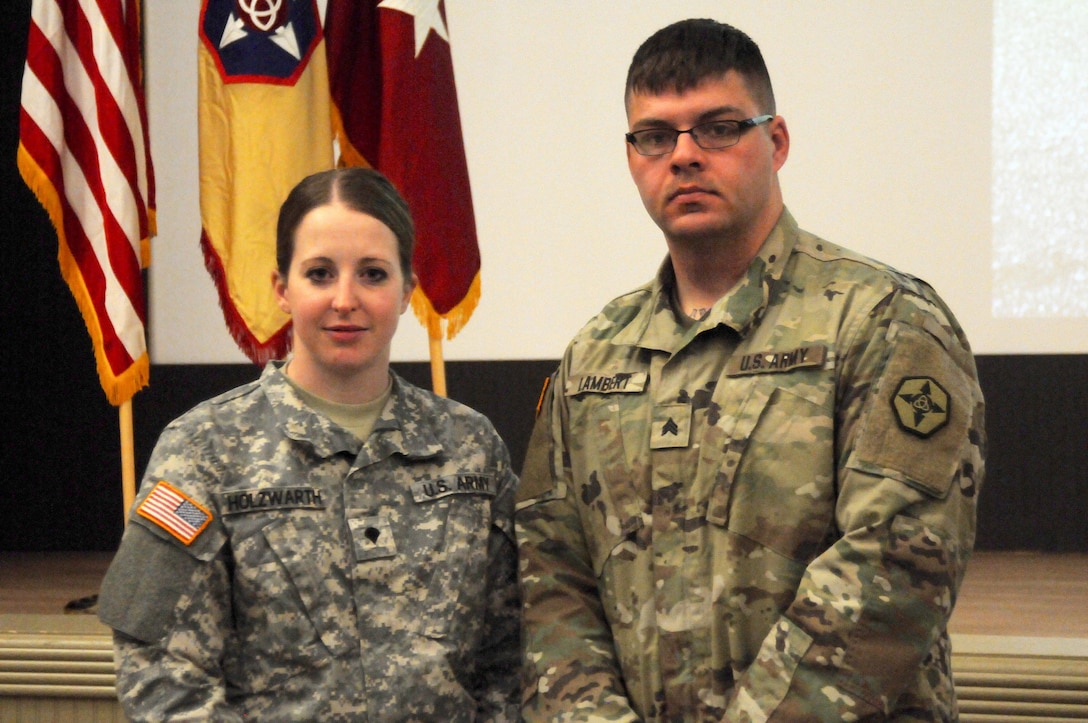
(682, 55)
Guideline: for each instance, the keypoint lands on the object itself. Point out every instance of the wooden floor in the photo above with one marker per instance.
(1009, 594)
(1024, 594)
(43, 583)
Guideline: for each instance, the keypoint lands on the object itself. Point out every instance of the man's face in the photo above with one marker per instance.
(692, 193)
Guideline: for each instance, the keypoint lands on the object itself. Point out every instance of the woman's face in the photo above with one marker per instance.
(345, 292)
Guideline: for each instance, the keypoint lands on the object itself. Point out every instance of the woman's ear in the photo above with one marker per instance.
(279, 288)
(409, 287)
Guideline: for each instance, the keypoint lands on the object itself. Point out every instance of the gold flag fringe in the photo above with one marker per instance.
(260, 353)
(118, 388)
(455, 318)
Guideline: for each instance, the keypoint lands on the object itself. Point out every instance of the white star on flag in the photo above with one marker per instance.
(427, 18)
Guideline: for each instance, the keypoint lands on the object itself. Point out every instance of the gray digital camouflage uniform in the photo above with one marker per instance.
(764, 515)
(332, 579)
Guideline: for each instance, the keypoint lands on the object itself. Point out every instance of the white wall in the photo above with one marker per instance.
(1040, 102)
(888, 104)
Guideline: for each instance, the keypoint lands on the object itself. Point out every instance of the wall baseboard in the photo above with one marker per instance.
(56, 667)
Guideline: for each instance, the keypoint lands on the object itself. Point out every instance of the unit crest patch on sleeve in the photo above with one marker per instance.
(921, 405)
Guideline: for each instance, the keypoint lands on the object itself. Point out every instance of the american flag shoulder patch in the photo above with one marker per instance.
(174, 511)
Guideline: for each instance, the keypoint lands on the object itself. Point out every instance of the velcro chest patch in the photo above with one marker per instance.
(457, 484)
(617, 383)
(777, 361)
(274, 498)
(671, 426)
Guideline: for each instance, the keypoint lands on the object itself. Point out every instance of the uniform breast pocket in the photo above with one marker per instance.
(433, 573)
(458, 591)
(613, 488)
(782, 492)
(315, 570)
(293, 608)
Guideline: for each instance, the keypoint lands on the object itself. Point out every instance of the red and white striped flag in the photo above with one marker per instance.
(83, 151)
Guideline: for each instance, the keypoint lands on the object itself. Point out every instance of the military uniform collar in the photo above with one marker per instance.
(656, 326)
(390, 435)
(405, 426)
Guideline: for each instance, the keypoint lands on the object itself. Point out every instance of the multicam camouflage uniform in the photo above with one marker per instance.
(332, 579)
(763, 515)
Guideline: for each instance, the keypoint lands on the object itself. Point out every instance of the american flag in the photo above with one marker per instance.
(84, 152)
(175, 512)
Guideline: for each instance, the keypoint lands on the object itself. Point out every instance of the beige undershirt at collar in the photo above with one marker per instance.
(359, 419)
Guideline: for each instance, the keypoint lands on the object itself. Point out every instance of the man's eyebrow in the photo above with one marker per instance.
(707, 115)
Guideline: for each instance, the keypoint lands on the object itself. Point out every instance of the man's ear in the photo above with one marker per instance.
(780, 137)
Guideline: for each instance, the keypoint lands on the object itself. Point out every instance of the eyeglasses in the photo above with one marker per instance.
(710, 136)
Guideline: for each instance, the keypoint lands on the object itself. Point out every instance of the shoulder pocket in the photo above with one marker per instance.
(915, 423)
(538, 480)
(144, 582)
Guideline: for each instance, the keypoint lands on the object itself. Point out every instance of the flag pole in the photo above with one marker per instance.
(438, 364)
(128, 458)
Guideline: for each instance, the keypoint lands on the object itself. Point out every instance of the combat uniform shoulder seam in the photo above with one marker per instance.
(237, 392)
(617, 314)
(825, 251)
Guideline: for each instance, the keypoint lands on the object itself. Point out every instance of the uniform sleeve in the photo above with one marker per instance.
(570, 669)
(499, 692)
(169, 606)
(872, 610)
(168, 625)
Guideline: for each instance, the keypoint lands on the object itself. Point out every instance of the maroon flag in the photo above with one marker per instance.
(83, 151)
(395, 109)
